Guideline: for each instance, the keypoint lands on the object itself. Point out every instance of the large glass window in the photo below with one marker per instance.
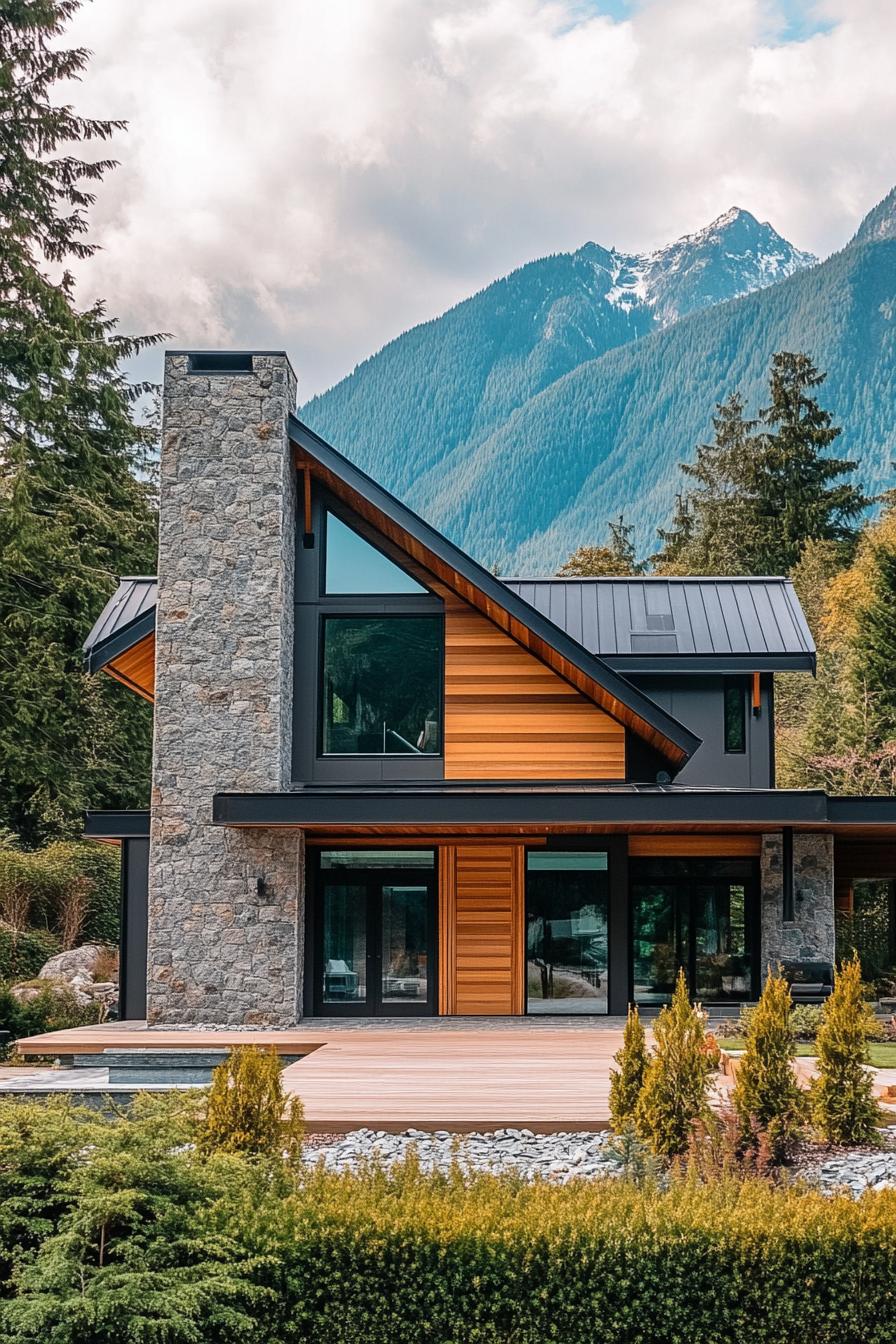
(566, 932)
(354, 566)
(382, 685)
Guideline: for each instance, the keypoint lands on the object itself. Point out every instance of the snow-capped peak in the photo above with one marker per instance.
(732, 256)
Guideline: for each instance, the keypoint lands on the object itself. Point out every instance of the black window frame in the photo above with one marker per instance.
(731, 685)
(321, 700)
(311, 605)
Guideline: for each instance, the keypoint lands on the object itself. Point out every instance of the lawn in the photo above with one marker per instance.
(882, 1054)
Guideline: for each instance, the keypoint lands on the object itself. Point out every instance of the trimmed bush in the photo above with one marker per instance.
(843, 1104)
(247, 1110)
(674, 1094)
(766, 1094)
(626, 1081)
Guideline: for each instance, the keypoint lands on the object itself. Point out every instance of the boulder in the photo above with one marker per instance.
(79, 963)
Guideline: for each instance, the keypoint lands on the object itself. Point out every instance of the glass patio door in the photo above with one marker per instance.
(697, 914)
(373, 945)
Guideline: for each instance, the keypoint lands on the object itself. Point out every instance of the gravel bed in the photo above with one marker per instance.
(556, 1157)
(851, 1170)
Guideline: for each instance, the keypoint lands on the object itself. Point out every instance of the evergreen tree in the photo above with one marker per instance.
(766, 1091)
(626, 1081)
(875, 645)
(674, 1093)
(715, 524)
(843, 1104)
(616, 559)
(763, 488)
(76, 507)
(799, 490)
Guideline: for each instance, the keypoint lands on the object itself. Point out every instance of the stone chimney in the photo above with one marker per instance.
(223, 943)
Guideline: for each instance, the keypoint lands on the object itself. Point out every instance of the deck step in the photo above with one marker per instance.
(153, 1067)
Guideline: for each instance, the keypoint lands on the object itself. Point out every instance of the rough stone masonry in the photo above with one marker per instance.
(224, 931)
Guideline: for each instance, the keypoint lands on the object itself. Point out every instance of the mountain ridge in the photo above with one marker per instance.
(569, 390)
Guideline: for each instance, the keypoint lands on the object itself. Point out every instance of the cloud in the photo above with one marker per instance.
(321, 176)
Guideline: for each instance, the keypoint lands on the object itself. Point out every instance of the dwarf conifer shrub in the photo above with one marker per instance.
(843, 1104)
(626, 1081)
(674, 1096)
(247, 1110)
(766, 1095)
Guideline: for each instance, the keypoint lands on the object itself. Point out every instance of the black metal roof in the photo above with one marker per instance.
(128, 617)
(648, 623)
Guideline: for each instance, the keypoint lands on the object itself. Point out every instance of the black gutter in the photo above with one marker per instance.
(118, 824)
(591, 666)
(711, 662)
(510, 807)
(103, 652)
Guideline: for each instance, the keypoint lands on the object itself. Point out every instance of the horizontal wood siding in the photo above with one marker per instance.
(482, 914)
(509, 716)
(695, 846)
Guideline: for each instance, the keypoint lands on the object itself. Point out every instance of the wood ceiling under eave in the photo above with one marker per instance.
(136, 667)
(407, 546)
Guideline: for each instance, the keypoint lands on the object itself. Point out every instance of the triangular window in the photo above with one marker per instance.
(354, 566)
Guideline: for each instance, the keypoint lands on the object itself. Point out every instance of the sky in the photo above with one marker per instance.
(319, 175)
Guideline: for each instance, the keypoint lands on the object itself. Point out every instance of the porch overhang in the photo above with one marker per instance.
(546, 808)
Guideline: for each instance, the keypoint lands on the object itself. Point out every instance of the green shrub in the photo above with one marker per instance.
(626, 1081)
(843, 1105)
(766, 1093)
(55, 1008)
(70, 885)
(674, 1094)
(247, 1110)
(805, 1020)
(153, 1242)
(40, 1143)
(23, 952)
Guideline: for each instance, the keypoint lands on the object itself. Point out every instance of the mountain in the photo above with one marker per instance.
(525, 417)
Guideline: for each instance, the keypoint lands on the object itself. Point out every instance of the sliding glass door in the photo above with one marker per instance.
(373, 935)
(698, 914)
(566, 931)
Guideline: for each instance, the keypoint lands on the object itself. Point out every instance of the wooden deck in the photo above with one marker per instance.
(541, 1077)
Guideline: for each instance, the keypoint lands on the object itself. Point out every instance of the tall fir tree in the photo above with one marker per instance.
(76, 503)
(874, 656)
(798, 488)
(617, 558)
(763, 488)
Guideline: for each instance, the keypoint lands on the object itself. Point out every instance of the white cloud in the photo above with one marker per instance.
(321, 176)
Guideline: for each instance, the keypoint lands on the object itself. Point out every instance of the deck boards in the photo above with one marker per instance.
(541, 1077)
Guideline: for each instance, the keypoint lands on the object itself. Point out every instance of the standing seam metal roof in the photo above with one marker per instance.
(657, 621)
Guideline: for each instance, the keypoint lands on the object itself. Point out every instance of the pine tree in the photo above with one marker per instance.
(626, 1081)
(247, 1110)
(76, 507)
(874, 657)
(766, 1093)
(674, 1094)
(798, 488)
(616, 559)
(715, 522)
(843, 1104)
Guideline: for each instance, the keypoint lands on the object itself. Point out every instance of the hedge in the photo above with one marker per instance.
(148, 1239)
(35, 884)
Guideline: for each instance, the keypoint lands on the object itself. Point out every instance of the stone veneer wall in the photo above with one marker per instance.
(224, 927)
(810, 936)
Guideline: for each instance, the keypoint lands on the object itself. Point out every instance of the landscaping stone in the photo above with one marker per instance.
(78, 963)
(555, 1157)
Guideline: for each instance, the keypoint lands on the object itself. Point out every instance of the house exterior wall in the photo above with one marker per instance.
(224, 929)
(698, 701)
(810, 935)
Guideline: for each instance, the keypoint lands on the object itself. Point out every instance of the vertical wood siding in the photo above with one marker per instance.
(482, 914)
